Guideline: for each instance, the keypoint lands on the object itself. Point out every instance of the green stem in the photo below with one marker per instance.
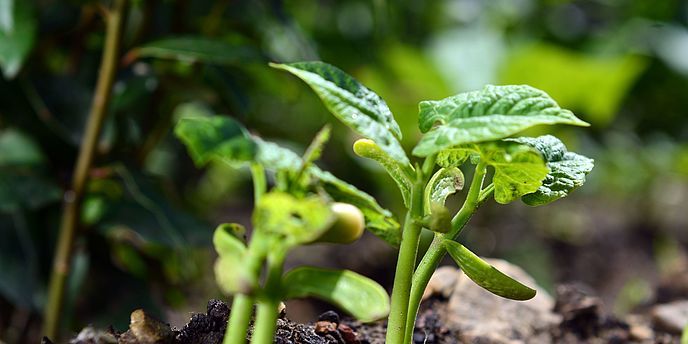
(433, 256)
(266, 316)
(239, 319)
(72, 198)
(405, 265)
(260, 185)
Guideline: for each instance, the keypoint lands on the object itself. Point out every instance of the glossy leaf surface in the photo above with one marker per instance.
(486, 275)
(493, 113)
(17, 36)
(352, 103)
(358, 295)
(567, 169)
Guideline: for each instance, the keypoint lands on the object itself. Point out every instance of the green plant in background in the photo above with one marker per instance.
(474, 127)
(301, 208)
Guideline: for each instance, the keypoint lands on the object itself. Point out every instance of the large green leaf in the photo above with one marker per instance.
(486, 275)
(17, 38)
(493, 113)
(356, 294)
(295, 220)
(354, 104)
(6, 15)
(403, 174)
(567, 169)
(228, 266)
(215, 137)
(519, 168)
(197, 49)
(379, 220)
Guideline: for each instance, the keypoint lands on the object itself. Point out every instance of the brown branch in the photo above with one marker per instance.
(72, 198)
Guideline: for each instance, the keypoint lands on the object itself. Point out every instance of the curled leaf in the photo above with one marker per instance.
(402, 174)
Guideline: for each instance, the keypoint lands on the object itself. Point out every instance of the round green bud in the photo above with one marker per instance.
(347, 227)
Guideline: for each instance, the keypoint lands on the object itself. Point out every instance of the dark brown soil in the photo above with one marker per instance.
(583, 321)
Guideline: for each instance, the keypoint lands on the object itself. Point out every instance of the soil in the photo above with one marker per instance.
(582, 321)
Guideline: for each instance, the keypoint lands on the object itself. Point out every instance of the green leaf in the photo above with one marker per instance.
(18, 149)
(519, 168)
(26, 188)
(314, 150)
(196, 49)
(295, 220)
(6, 16)
(352, 103)
(228, 266)
(444, 182)
(358, 295)
(379, 220)
(215, 137)
(403, 174)
(493, 113)
(567, 169)
(486, 275)
(18, 37)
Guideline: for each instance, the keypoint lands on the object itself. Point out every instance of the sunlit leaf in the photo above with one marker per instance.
(18, 37)
(518, 168)
(403, 174)
(354, 104)
(486, 275)
(358, 295)
(567, 169)
(215, 137)
(493, 113)
(197, 49)
(296, 220)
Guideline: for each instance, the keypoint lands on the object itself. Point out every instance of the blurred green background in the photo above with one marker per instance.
(148, 215)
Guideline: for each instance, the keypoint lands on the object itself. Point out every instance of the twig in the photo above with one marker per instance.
(72, 198)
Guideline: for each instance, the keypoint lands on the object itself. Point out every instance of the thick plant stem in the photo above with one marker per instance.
(72, 198)
(267, 313)
(239, 319)
(436, 251)
(405, 266)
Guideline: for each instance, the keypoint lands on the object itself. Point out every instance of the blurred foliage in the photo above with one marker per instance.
(148, 214)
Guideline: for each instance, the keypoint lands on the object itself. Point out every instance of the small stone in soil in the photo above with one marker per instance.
(330, 316)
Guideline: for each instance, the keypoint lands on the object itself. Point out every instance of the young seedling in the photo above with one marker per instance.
(305, 205)
(475, 128)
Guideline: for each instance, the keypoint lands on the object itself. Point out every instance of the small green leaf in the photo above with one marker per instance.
(297, 221)
(444, 182)
(567, 169)
(196, 49)
(315, 148)
(486, 275)
(358, 295)
(402, 174)
(519, 169)
(493, 113)
(18, 36)
(352, 103)
(215, 137)
(379, 220)
(234, 229)
(228, 266)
